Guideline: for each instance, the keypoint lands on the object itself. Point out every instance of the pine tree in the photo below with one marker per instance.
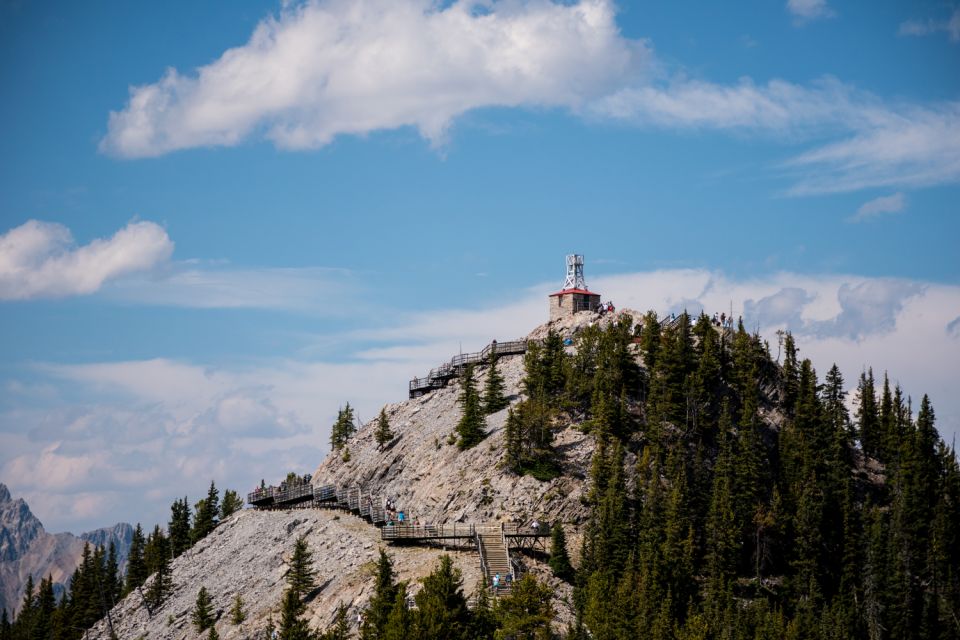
(343, 428)
(493, 391)
(292, 626)
(237, 613)
(213, 635)
(868, 420)
(382, 602)
(179, 526)
(559, 558)
(441, 606)
(527, 612)
(45, 606)
(136, 566)
(471, 427)
(232, 502)
(157, 557)
(112, 585)
(383, 434)
(399, 621)
(513, 440)
(205, 515)
(202, 615)
(301, 576)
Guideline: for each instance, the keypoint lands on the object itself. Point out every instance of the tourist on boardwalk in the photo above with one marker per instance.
(496, 581)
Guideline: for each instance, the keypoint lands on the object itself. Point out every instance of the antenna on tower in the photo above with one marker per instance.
(574, 278)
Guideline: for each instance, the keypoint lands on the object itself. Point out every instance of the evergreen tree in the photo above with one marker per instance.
(44, 607)
(559, 559)
(205, 515)
(237, 613)
(493, 391)
(112, 584)
(526, 613)
(202, 615)
(301, 576)
(136, 566)
(383, 434)
(157, 557)
(868, 420)
(399, 621)
(382, 603)
(650, 340)
(292, 626)
(441, 606)
(343, 428)
(179, 526)
(213, 635)
(513, 441)
(471, 428)
(232, 502)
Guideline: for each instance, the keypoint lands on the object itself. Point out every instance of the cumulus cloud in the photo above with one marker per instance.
(41, 259)
(878, 206)
(807, 10)
(323, 68)
(138, 433)
(782, 307)
(329, 67)
(950, 26)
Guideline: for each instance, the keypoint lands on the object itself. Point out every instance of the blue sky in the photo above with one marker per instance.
(220, 221)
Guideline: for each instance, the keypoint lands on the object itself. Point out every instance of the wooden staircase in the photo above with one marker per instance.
(495, 557)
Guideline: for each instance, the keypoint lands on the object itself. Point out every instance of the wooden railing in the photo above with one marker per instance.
(439, 376)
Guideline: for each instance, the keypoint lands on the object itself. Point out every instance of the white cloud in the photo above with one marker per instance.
(147, 431)
(41, 260)
(807, 10)
(878, 206)
(219, 287)
(329, 67)
(951, 26)
(324, 68)
(880, 145)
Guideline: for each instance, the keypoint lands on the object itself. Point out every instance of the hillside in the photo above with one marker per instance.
(705, 489)
(421, 471)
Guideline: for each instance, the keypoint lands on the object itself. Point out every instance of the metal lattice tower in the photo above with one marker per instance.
(574, 273)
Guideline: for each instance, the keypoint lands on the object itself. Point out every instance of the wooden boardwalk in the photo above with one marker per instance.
(438, 377)
(493, 541)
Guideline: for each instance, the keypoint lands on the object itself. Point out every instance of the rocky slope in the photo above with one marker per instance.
(247, 555)
(26, 549)
(422, 471)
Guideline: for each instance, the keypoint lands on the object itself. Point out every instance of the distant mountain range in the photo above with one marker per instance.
(26, 549)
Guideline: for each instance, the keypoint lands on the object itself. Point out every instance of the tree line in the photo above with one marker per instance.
(97, 584)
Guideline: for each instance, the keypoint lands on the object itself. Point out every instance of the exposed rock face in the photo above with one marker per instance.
(247, 554)
(427, 476)
(120, 534)
(26, 549)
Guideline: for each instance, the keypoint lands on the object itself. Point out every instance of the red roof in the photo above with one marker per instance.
(566, 291)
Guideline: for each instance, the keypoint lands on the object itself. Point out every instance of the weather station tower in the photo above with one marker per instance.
(574, 297)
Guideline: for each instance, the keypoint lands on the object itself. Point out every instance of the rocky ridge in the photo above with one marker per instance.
(26, 549)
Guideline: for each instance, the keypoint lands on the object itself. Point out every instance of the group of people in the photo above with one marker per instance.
(605, 308)
(723, 321)
(390, 506)
(501, 582)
